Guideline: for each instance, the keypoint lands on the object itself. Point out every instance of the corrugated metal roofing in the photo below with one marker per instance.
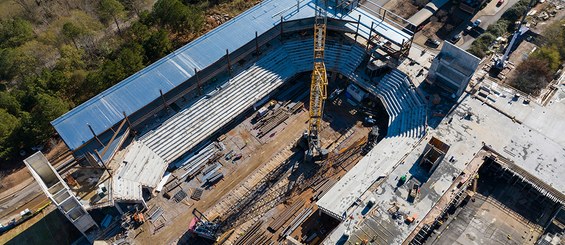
(106, 109)
(426, 12)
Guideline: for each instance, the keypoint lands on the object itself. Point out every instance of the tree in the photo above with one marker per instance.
(131, 59)
(550, 54)
(555, 36)
(134, 5)
(15, 32)
(111, 9)
(25, 60)
(16, 62)
(499, 28)
(72, 32)
(158, 45)
(111, 72)
(71, 59)
(47, 109)
(139, 32)
(177, 16)
(9, 103)
(8, 126)
(532, 75)
(480, 46)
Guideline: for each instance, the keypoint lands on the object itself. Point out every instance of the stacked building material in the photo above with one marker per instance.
(279, 221)
(246, 238)
(299, 219)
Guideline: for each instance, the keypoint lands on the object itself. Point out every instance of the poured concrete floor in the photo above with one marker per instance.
(486, 221)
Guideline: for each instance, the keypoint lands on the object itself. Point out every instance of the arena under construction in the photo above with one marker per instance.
(211, 143)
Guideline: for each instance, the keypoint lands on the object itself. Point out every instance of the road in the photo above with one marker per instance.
(490, 14)
(27, 193)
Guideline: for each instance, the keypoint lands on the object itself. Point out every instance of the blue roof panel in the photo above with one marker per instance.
(135, 92)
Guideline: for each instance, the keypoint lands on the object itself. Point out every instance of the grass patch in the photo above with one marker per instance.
(9, 9)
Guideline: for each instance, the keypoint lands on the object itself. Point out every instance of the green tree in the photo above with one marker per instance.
(17, 62)
(139, 32)
(555, 36)
(480, 46)
(158, 45)
(550, 54)
(177, 16)
(111, 72)
(72, 32)
(130, 58)
(499, 28)
(47, 109)
(111, 9)
(9, 103)
(134, 5)
(15, 32)
(71, 59)
(8, 126)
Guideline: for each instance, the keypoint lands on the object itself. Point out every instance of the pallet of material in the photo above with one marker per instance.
(210, 170)
(171, 185)
(215, 177)
(196, 194)
(273, 123)
(193, 165)
(179, 196)
(278, 222)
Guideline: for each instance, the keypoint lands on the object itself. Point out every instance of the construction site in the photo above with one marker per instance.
(320, 123)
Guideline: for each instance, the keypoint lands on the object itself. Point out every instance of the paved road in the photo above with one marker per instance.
(490, 14)
(20, 197)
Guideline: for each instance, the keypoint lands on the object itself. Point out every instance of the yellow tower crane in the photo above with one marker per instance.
(318, 86)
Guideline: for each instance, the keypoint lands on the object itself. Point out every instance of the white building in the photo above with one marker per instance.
(452, 69)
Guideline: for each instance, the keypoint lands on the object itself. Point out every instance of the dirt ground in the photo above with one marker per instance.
(264, 152)
(403, 8)
(256, 153)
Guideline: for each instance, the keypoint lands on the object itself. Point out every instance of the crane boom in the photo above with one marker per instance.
(318, 86)
(500, 63)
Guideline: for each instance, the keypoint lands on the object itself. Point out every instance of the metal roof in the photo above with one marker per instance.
(135, 92)
(425, 13)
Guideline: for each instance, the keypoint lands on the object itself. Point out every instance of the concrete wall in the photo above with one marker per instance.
(453, 68)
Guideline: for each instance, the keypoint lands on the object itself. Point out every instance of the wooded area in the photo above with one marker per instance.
(54, 55)
(536, 71)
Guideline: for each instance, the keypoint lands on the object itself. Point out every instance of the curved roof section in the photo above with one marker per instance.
(135, 92)
(425, 13)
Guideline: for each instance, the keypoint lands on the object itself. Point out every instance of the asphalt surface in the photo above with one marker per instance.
(490, 14)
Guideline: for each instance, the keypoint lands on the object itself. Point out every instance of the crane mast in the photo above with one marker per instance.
(500, 63)
(318, 86)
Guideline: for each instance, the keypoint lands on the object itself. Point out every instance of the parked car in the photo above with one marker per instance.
(455, 38)
(477, 23)
(432, 42)
(500, 2)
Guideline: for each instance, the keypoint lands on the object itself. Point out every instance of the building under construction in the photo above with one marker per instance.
(310, 122)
